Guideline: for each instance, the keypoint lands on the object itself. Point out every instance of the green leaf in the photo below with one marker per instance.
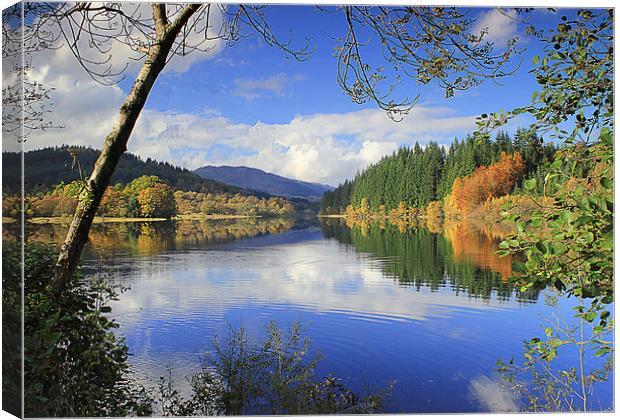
(556, 342)
(607, 137)
(531, 265)
(557, 164)
(567, 216)
(529, 184)
(590, 316)
(536, 222)
(602, 351)
(607, 183)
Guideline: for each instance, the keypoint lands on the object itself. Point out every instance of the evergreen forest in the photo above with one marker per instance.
(417, 176)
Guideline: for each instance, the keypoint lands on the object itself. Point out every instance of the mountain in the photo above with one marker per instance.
(47, 167)
(255, 179)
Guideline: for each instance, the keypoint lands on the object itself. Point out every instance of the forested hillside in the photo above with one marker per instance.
(418, 176)
(47, 167)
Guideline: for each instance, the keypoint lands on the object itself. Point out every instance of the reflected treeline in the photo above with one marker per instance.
(109, 239)
(462, 257)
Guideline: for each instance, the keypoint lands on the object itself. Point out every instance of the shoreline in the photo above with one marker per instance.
(215, 216)
(103, 219)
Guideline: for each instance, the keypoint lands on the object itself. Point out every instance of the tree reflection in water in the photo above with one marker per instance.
(461, 257)
(153, 238)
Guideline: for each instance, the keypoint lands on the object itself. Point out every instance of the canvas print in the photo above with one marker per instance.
(243, 209)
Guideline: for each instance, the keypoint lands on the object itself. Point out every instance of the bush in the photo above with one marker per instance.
(74, 363)
(11, 331)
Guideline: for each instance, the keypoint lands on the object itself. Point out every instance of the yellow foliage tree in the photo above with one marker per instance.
(157, 201)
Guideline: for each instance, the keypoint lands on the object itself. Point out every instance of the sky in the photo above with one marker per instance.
(247, 104)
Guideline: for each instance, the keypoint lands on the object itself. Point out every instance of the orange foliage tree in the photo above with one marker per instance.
(486, 182)
(113, 203)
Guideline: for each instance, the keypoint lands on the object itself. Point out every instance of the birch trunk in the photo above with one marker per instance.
(116, 141)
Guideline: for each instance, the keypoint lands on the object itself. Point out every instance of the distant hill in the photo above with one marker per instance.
(49, 166)
(255, 179)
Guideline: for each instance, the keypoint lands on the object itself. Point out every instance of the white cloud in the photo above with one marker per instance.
(230, 62)
(321, 148)
(277, 85)
(113, 52)
(500, 26)
(491, 396)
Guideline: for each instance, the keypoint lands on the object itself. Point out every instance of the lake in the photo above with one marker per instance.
(428, 310)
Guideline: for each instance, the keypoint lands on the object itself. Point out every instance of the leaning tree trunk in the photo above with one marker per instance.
(116, 141)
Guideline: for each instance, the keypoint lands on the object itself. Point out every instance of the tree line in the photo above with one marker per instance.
(414, 177)
(146, 196)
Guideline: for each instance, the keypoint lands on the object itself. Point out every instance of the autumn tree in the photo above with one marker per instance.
(433, 210)
(451, 206)
(419, 175)
(113, 203)
(141, 183)
(157, 201)
(485, 183)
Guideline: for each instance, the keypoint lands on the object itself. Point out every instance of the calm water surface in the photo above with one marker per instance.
(429, 312)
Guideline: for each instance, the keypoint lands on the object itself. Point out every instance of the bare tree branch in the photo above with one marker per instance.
(426, 44)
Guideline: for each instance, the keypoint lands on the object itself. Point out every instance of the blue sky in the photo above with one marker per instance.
(247, 104)
(293, 88)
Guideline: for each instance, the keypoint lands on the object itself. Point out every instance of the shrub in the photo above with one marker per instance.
(11, 330)
(74, 363)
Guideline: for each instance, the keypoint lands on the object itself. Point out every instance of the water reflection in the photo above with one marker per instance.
(463, 257)
(107, 240)
(381, 305)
